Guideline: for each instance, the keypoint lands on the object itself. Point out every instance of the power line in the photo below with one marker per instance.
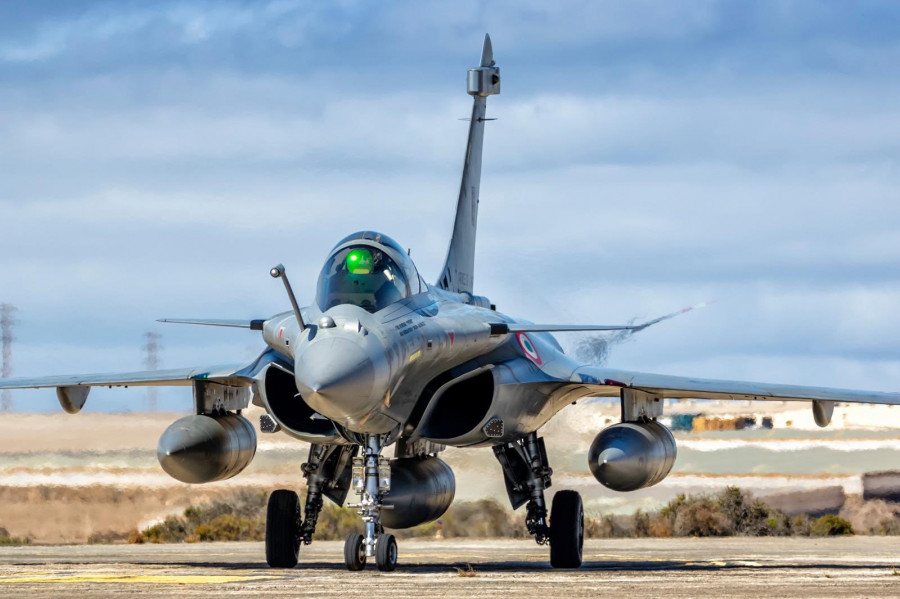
(6, 338)
(151, 362)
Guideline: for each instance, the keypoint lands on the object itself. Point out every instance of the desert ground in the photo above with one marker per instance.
(64, 478)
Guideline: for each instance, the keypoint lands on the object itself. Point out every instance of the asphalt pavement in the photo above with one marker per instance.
(730, 567)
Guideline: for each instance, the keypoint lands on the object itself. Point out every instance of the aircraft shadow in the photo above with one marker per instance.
(526, 566)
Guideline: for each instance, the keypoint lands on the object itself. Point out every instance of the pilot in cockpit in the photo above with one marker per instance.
(364, 276)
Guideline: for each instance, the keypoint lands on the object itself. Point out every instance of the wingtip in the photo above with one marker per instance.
(487, 53)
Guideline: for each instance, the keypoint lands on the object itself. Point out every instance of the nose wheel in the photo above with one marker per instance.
(355, 552)
(386, 552)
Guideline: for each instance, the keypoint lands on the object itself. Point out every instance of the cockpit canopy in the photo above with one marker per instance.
(368, 270)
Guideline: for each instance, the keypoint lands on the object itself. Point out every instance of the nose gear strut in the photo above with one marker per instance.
(371, 481)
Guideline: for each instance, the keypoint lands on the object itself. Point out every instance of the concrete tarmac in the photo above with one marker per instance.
(731, 567)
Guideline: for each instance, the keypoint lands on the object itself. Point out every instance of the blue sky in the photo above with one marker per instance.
(157, 158)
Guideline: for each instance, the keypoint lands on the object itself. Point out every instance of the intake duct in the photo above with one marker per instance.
(285, 405)
(632, 455)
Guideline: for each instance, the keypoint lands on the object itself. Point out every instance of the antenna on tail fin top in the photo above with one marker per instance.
(459, 269)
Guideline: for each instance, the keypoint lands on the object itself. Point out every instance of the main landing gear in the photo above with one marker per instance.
(330, 472)
(327, 473)
(527, 474)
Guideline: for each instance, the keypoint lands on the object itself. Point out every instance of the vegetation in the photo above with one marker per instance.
(469, 572)
(731, 512)
(239, 517)
(830, 526)
(6, 539)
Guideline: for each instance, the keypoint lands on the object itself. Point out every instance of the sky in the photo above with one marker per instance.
(156, 159)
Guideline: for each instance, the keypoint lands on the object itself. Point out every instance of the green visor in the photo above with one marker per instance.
(359, 262)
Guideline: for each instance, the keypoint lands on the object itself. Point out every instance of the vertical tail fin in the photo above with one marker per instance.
(459, 269)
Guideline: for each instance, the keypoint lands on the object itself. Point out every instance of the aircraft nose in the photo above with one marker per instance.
(335, 374)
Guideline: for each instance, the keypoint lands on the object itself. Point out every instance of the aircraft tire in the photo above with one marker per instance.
(566, 530)
(283, 529)
(355, 552)
(386, 552)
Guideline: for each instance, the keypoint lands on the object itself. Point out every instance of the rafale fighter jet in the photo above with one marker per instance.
(383, 358)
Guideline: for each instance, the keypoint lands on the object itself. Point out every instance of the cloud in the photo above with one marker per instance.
(182, 23)
(158, 159)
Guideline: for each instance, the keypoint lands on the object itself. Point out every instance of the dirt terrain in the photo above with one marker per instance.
(64, 478)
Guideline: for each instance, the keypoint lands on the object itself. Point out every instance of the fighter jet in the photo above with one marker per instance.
(385, 359)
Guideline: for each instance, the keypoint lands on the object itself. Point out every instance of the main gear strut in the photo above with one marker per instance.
(527, 474)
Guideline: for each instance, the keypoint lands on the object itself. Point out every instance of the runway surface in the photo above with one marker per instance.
(735, 567)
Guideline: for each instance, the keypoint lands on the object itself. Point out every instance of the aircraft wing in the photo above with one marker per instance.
(607, 382)
(256, 324)
(235, 374)
(503, 328)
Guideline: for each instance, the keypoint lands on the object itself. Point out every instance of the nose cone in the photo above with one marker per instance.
(614, 464)
(336, 377)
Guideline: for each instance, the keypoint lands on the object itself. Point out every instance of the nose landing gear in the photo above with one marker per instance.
(371, 480)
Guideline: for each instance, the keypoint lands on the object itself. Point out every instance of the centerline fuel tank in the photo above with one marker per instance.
(422, 489)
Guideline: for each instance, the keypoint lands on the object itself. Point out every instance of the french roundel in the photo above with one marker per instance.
(529, 349)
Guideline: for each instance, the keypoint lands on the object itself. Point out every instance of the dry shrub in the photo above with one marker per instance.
(607, 527)
(135, 537)
(6, 539)
(876, 516)
(641, 524)
(483, 518)
(831, 525)
(729, 512)
(229, 527)
(661, 526)
(887, 527)
(700, 518)
(335, 523)
(744, 514)
(467, 572)
(239, 516)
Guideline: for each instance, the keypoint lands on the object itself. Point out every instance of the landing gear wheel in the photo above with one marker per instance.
(283, 529)
(386, 552)
(355, 552)
(566, 530)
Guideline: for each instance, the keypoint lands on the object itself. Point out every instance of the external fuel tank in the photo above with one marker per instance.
(632, 455)
(205, 448)
(421, 491)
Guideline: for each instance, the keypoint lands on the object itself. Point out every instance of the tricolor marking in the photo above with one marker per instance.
(529, 348)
